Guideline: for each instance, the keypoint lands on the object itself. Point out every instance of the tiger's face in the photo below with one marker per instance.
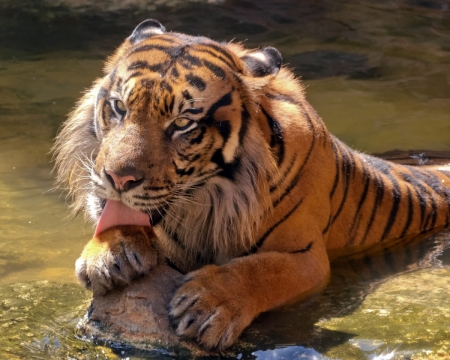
(171, 114)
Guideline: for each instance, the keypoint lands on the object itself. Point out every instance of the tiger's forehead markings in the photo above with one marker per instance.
(181, 48)
(130, 84)
(118, 88)
(196, 81)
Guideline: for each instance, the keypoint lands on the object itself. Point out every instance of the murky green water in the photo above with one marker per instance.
(377, 72)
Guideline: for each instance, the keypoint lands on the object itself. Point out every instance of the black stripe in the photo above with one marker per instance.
(432, 216)
(193, 111)
(362, 199)
(421, 194)
(346, 170)
(118, 88)
(174, 237)
(196, 81)
(378, 183)
(224, 129)
(183, 172)
(276, 137)
(165, 49)
(260, 242)
(216, 70)
(198, 139)
(187, 95)
(112, 78)
(320, 122)
(166, 106)
(305, 249)
(156, 188)
(337, 162)
(228, 170)
(92, 130)
(305, 161)
(132, 75)
(397, 197)
(150, 197)
(141, 65)
(164, 85)
(171, 264)
(283, 177)
(147, 83)
(282, 97)
(172, 102)
(352, 162)
(216, 56)
(223, 101)
(174, 73)
(432, 180)
(244, 124)
(327, 228)
(223, 52)
(410, 215)
(193, 60)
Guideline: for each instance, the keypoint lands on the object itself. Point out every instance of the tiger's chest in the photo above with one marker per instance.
(188, 253)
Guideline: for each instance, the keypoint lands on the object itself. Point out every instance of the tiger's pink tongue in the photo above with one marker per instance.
(117, 213)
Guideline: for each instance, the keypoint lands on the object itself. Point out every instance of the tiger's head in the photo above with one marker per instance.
(174, 128)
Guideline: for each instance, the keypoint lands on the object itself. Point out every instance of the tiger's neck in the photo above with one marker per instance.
(375, 200)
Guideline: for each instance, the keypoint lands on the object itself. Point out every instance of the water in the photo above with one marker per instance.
(377, 72)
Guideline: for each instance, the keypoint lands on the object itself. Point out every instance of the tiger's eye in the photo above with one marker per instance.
(182, 122)
(120, 107)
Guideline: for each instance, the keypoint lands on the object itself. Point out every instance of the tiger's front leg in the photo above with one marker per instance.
(216, 303)
(115, 257)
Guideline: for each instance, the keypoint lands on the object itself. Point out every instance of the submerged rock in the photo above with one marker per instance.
(136, 314)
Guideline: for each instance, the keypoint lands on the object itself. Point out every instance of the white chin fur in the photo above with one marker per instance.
(93, 207)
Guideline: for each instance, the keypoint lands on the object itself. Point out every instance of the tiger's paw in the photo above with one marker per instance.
(209, 309)
(115, 257)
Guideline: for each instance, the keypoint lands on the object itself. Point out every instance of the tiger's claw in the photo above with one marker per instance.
(116, 257)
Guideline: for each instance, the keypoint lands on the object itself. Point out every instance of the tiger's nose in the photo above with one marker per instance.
(125, 181)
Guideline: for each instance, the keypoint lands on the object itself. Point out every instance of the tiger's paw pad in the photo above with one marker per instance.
(205, 311)
(116, 257)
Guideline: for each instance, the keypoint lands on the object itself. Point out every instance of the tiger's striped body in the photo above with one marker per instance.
(246, 189)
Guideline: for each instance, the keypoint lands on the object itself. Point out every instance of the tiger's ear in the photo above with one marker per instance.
(146, 29)
(266, 61)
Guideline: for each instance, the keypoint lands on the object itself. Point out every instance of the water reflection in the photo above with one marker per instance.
(377, 72)
(289, 352)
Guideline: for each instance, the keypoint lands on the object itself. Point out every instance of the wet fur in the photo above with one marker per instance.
(254, 233)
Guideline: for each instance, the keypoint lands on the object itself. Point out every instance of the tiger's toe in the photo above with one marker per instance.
(115, 258)
(204, 311)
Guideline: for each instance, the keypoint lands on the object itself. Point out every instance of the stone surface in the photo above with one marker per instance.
(137, 315)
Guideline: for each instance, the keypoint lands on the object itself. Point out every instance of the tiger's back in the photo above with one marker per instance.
(217, 146)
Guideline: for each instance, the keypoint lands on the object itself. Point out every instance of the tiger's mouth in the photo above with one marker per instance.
(117, 213)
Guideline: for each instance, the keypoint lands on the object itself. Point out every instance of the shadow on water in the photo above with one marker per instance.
(375, 71)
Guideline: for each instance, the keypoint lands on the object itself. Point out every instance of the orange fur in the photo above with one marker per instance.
(115, 257)
(249, 198)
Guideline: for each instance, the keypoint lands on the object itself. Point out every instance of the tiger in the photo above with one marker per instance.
(215, 148)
